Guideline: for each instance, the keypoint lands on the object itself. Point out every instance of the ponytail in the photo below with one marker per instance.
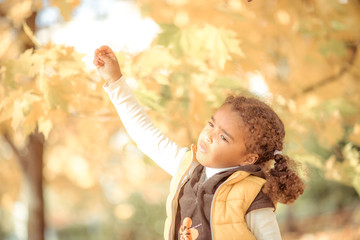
(282, 183)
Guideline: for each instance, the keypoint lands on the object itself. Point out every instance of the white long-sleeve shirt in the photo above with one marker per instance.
(167, 154)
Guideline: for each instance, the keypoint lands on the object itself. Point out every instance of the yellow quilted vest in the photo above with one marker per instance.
(230, 203)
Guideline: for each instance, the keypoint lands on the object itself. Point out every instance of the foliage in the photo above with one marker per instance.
(306, 52)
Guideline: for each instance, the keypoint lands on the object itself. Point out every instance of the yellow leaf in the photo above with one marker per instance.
(26, 111)
(156, 59)
(356, 184)
(29, 128)
(22, 107)
(57, 92)
(28, 99)
(45, 126)
(66, 7)
(37, 112)
(19, 10)
(6, 105)
(207, 43)
(352, 157)
(7, 37)
(17, 115)
(24, 68)
(220, 43)
(355, 135)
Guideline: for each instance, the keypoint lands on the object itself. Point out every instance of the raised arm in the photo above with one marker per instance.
(148, 138)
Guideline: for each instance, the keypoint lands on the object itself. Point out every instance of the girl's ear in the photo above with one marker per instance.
(250, 158)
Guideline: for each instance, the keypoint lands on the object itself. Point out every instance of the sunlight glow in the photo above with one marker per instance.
(124, 211)
(20, 216)
(258, 85)
(78, 171)
(119, 24)
(283, 17)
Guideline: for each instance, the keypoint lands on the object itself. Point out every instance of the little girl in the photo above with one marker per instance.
(222, 187)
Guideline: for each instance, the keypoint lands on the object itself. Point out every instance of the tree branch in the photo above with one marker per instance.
(354, 50)
(16, 151)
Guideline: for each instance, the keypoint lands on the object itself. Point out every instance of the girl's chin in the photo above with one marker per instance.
(202, 159)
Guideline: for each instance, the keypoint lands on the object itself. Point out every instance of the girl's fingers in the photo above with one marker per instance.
(106, 58)
(105, 49)
(103, 55)
(98, 59)
(98, 62)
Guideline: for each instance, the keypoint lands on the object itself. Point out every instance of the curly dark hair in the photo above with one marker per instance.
(266, 133)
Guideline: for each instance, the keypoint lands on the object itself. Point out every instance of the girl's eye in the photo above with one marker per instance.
(223, 138)
(211, 124)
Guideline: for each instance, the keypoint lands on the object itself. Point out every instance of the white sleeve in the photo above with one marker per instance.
(263, 224)
(148, 138)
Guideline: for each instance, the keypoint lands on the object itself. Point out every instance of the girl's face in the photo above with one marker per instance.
(221, 142)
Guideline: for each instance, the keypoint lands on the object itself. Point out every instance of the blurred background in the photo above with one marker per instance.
(68, 170)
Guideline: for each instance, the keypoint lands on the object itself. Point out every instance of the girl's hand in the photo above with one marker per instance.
(107, 65)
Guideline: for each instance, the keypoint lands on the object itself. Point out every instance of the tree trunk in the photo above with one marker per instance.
(34, 176)
(31, 161)
(33, 169)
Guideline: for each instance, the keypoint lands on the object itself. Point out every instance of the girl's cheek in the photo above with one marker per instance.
(201, 136)
(204, 135)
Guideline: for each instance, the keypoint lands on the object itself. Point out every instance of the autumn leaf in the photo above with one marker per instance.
(45, 126)
(202, 42)
(155, 60)
(355, 134)
(337, 48)
(7, 105)
(23, 106)
(220, 43)
(56, 93)
(17, 116)
(22, 70)
(181, 42)
(66, 7)
(18, 10)
(356, 183)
